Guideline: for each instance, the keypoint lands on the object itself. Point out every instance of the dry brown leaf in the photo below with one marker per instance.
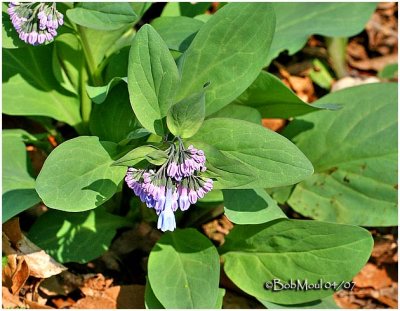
(352, 81)
(95, 303)
(127, 296)
(377, 63)
(372, 276)
(274, 124)
(10, 301)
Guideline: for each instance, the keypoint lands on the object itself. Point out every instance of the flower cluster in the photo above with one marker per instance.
(176, 184)
(36, 23)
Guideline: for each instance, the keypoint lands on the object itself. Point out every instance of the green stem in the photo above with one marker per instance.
(95, 78)
(86, 103)
(337, 52)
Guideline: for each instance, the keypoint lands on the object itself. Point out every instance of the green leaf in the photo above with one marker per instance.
(78, 176)
(135, 156)
(324, 303)
(178, 32)
(150, 300)
(320, 75)
(68, 61)
(98, 94)
(273, 99)
(220, 300)
(102, 15)
(140, 8)
(152, 79)
(30, 88)
(354, 152)
(186, 117)
(114, 119)
(250, 206)
(185, 9)
(240, 112)
(221, 53)
(192, 270)
(157, 157)
(295, 22)
(18, 186)
(78, 237)
(389, 72)
(294, 250)
(269, 159)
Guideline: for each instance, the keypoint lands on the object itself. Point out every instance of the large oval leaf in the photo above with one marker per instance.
(269, 159)
(77, 237)
(18, 188)
(30, 88)
(273, 99)
(296, 21)
(152, 79)
(354, 152)
(294, 250)
(78, 175)
(229, 51)
(102, 15)
(184, 271)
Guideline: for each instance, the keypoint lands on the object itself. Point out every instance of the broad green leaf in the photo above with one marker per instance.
(152, 79)
(294, 250)
(135, 156)
(68, 60)
(100, 42)
(354, 152)
(295, 22)
(220, 300)
(228, 173)
(186, 117)
(269, 159)
(102, 15)
(240, 112)
(30, 88)
(78, 176)
(273, 99)
(185, 8)
(178, 31)
(184, 270)
(118, 65)
(98, 94)
(389, 72)
(250, 206)
(157, 157)
(229, 51)
(78, 237)
(140, 8)
(114, 119)
(18, 191)
(320, 74)
(324, 303)
(150, 300)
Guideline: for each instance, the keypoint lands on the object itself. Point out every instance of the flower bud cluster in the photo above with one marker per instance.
(175, 184)
(36, 23)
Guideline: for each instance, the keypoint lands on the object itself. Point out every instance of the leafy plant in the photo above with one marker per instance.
(170, 113)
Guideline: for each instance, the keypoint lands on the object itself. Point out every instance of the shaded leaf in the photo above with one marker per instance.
(252, 206)
(98, 94)
(78, 237)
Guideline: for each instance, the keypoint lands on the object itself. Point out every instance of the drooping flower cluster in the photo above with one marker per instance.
(36, 23)
(176, 184)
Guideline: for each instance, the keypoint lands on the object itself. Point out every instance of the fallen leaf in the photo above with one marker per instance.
(10, 301)
(274, 124)
(127, 296)
(372, 276)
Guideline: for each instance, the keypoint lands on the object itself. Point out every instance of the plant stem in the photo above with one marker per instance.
(337, 52)
(95, 79)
